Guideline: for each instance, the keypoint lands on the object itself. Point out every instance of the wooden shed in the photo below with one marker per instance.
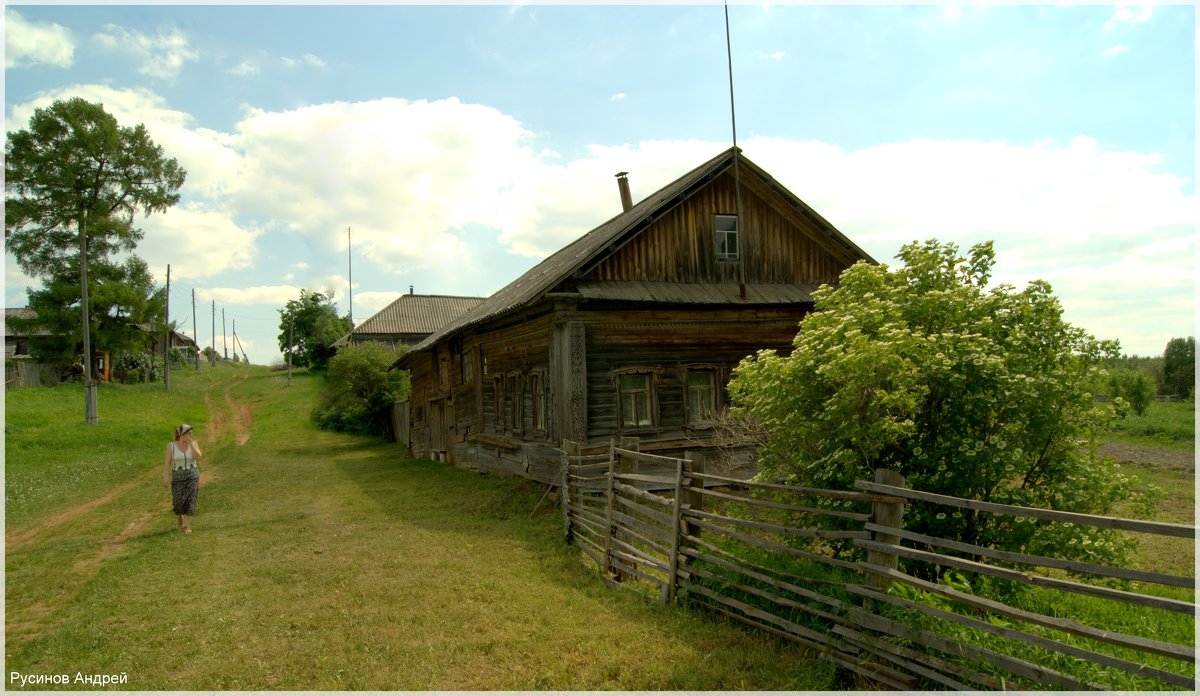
(630, 331)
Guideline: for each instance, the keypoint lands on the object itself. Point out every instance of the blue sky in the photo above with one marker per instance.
(462, 144)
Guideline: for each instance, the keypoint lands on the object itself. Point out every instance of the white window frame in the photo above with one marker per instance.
(722, 235)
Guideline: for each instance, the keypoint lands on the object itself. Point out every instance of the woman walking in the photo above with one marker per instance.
(181, 473)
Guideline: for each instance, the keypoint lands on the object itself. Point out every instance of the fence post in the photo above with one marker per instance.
(676, 536)
(693, 499)
(888, 515)
(608, 523)
(570, 449)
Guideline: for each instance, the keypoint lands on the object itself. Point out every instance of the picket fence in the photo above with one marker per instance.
(651, 524)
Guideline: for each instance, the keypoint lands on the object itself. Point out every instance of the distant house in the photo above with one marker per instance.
(410, 319)
(630, 330)
(180, 343)
(16, 341)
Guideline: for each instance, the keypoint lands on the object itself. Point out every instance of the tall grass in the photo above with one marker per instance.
(331, 562)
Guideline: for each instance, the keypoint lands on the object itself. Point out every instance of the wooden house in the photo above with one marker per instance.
(410, 319)
(629, 331)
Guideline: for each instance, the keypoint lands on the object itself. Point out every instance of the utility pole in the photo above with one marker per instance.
(225, 336)
(90, 407)
(170, 335)
(212, 357)
(195, 336)
(291, 326)
(350, 273)
(237, 343)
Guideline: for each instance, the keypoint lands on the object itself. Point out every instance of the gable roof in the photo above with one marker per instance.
(415, 314)
(606, 238)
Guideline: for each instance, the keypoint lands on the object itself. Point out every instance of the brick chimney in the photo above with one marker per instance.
(623, 185)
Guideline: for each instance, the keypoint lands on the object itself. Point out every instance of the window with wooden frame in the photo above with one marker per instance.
(635, 399)
(537, 393)
(468, 366)
(725, 238)
(701, 403)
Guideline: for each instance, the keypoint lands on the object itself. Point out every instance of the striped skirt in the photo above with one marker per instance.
(183, 496)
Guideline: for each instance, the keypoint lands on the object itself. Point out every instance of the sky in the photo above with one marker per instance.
(451, 148)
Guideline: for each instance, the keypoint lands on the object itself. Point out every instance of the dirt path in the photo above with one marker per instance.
(1149, 455)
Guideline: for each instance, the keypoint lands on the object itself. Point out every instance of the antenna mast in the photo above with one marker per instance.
(737, 176)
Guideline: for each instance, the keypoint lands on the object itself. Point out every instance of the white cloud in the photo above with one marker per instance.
(161, 56)
(372, 301)
(208, 156)
(259, 294)
(309, 59)
(1095, 222)
(28, 43)
(1129, 16)
(197, 242)
(244, 68)
(1116, 50)
(774, 55)
(408, 176)
(619, 96)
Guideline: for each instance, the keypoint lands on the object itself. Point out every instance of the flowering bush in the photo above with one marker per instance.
(966, 391)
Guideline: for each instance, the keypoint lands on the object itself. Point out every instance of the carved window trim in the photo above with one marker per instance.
(514, 415)
(538, 411)
(498, 403)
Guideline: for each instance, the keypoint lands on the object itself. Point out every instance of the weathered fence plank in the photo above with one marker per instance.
(1041, 561)
(1031, 579)
(1157, 647)
(1161, 528)
(780, 529)
(1031, 639)
(844, 514)
(1019, 667)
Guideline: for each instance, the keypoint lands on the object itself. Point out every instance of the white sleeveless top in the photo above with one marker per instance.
(183, 465)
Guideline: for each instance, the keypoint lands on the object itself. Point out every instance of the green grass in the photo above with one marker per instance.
(322, 561)
(1168, 424)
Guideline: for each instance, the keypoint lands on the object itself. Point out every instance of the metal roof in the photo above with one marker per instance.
(603, 240)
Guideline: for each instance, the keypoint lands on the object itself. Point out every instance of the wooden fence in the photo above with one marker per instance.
(949, 615)
(23, 373)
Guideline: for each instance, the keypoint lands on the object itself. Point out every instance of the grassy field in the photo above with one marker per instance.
(1166, 424)
(319, 561)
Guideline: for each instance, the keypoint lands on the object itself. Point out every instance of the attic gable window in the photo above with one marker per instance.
(726, 237)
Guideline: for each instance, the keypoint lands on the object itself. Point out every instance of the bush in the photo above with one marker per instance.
(362, 390)
(1136, 388)
(132, 368)
(970, 392)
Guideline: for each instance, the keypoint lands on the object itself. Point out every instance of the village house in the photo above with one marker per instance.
(632, 330)
(409, 319)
